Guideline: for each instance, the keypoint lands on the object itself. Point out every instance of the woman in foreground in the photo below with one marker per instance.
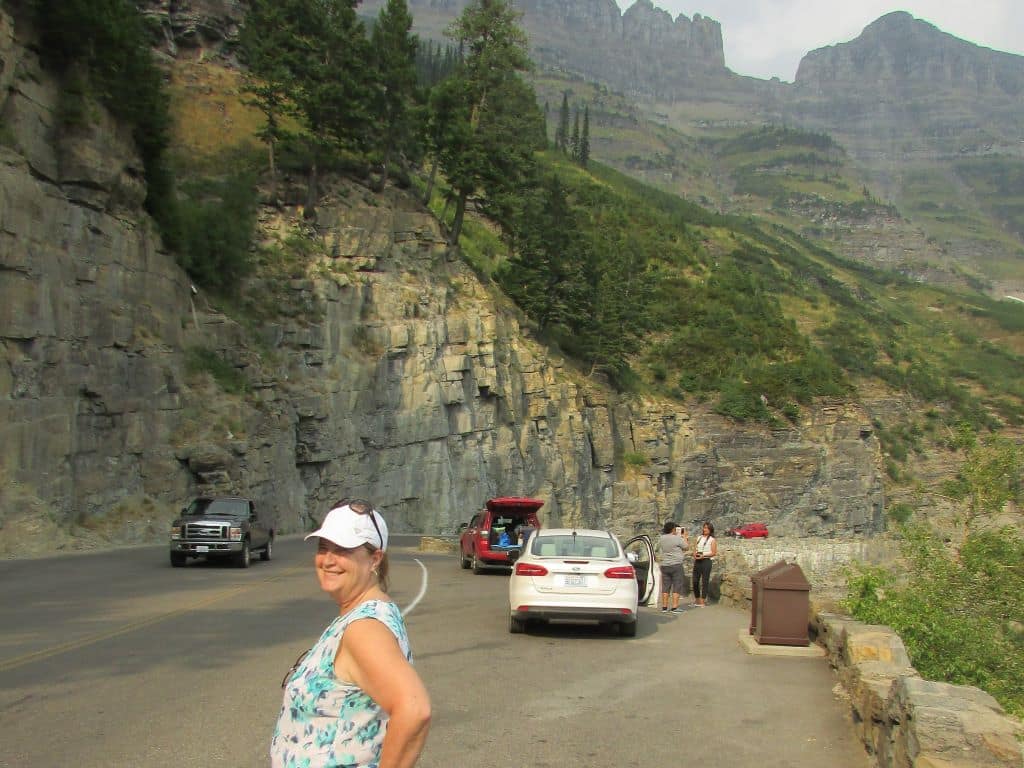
(354, 699)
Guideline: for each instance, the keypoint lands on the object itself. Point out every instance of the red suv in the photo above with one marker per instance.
(487, 538)
(749, 531)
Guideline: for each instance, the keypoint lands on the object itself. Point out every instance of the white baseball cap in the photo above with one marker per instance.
(349, 528)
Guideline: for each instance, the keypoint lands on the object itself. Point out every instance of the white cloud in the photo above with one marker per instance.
(768, 37)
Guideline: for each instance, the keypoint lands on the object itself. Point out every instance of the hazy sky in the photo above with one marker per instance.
(766, 38)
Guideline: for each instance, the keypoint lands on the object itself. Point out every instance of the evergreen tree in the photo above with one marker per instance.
(584, 149)
(475, 120)
(545, 274)
(394, 50)
(319, 59)
(574, 141)
(258, 45)
(562, 131)
(619, 290)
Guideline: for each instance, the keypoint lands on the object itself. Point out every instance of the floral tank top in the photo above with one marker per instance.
(328, 723)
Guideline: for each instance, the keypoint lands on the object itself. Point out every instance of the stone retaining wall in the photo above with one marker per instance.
(903, 720)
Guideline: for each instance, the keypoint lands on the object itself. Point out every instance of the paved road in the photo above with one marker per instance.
(115, 659)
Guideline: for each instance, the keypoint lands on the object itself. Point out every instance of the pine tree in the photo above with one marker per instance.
(266, 78)
(574, 142)
(483, 135)
(545, 274)
(319, 59)
(394, 49)
(562, 132)
(584, 153)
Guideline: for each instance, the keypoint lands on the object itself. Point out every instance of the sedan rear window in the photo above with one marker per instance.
(574, 546)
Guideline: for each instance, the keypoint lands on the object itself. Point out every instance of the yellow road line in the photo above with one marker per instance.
(56, 650)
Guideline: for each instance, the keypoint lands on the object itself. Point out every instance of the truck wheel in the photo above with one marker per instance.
(464, 562)
(478, 567)
(178, 560)
(245, 556)
(268, 551)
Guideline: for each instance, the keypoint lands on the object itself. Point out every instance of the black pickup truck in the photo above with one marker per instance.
(222, 526)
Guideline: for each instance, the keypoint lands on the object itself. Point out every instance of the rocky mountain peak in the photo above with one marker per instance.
(901, 49)
(702, 36)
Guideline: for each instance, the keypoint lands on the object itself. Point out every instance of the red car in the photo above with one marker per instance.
(749, 531)
(487, 539)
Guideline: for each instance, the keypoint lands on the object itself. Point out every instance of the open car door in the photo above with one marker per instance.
(640, 551)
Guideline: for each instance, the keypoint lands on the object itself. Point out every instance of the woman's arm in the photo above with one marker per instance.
(714, 546)
(371, 658)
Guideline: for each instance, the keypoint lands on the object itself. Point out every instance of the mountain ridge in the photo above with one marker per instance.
(941, 54)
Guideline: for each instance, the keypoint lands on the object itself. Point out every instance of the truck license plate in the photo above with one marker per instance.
(202, 548)
(575, 580)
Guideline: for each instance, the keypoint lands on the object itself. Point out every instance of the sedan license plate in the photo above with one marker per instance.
(574, 580)
(202, 548)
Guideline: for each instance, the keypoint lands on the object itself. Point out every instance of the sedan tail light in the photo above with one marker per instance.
(620, 572)
(530, 569)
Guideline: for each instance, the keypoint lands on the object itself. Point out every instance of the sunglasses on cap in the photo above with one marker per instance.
(363, 507)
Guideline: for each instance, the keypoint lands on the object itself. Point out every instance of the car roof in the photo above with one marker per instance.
(570, 531)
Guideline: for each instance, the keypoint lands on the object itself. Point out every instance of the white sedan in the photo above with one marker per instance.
(576, 575)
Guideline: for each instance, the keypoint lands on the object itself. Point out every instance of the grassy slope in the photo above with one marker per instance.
(965, 214)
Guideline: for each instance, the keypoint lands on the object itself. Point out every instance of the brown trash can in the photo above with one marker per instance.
(756, 580)
(783, 605)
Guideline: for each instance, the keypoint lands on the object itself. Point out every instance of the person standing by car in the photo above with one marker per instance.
(672, 544)
(704, 553)
(354, 698)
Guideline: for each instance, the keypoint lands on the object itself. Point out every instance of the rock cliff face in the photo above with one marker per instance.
(641, 51)
(389, 371)
(904, 87)
(194, 26)
(898, 49)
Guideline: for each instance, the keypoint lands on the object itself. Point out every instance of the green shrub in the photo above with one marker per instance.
(228, 377)
(956, 615)
(900, 513)
(634, 459)
(216, 224)
(792, 412)
(742, 403)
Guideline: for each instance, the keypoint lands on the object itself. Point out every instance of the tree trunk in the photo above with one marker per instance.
(460, 212)
(430, 183)
(273, 175)
(311, 192)
(384, 171)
